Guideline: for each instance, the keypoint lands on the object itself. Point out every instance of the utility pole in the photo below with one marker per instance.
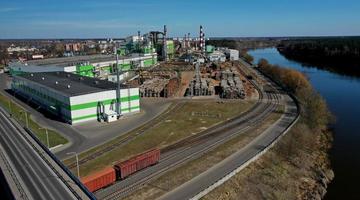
(26, 118)
(47, 136)
(118, 100)
(77, 162)
(10, 111)
(165, 44)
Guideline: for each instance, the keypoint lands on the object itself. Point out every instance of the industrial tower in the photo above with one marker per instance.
(202, 40)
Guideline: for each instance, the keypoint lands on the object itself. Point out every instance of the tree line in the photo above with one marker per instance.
(340, 55)
(244, 44)
(314, 110)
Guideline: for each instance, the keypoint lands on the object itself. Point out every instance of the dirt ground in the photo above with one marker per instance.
(186, 77)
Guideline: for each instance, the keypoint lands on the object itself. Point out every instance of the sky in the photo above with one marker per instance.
(220, 18)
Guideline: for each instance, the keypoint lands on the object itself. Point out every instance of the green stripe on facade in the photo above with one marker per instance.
(95, 115)
(131, 109)
(84, 117)
(105, 102)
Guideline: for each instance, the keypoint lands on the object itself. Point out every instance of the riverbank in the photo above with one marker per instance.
(298, 167)
(339, 54)
(342, 94)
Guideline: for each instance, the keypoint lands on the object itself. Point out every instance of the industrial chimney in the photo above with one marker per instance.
(202, 40)
(165, 44)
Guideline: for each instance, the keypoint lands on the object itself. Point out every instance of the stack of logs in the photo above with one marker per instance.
(201, 87)
(159, 87)
(231, 85)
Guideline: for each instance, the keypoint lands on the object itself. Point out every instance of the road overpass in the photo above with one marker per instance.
(32, 171)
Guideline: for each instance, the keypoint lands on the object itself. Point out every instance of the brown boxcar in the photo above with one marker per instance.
(136, 163)
(100, 179)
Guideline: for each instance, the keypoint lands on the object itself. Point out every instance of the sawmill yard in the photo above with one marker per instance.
(194, 108)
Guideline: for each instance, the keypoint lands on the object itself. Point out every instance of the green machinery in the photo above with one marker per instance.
(85, 70)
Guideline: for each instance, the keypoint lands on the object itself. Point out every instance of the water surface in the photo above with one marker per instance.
(342, 95)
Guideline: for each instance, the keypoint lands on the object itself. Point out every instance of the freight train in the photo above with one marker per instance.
(121, 170)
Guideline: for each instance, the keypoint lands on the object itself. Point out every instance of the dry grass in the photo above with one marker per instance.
(288, 171)
(185, 173)
(192, 118)
(18, 113)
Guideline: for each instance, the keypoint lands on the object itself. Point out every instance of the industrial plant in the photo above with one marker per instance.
(106, 87)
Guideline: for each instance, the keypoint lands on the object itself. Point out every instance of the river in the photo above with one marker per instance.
(342, 95)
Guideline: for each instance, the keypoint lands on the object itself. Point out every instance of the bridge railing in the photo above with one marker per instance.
(63, 167)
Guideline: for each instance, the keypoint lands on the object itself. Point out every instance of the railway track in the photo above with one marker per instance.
(141, 130)
(193, 148)
(138, 132)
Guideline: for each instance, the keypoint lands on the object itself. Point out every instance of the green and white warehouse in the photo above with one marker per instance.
(90, 65)
(74, 98)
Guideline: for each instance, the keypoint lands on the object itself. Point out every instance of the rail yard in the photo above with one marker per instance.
(122, 143)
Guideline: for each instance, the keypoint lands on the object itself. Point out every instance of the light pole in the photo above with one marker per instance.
(47, 136)
(26, 118)
(77, 162)
(10, 111)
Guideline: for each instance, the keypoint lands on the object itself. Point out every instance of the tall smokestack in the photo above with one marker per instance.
(165, 44)
(203, 50)
(185, 42)
(188, 41)
(138, 42)
(201, 42)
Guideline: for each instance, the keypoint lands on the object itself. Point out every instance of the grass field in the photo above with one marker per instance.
(182, 174)
(191, 118)
(18, 113)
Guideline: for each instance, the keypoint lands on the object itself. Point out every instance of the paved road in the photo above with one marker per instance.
(38, 178)
(88, 135)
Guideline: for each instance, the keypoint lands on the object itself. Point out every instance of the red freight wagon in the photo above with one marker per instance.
(137, 163)
(100, 179)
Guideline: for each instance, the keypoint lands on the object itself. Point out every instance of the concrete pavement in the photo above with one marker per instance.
(40, 178)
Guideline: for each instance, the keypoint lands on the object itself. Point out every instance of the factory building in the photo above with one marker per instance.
(74, 98)
(232, 54)
(217, 56)
(90, 66)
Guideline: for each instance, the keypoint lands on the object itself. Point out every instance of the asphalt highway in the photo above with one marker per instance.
(38, 178)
